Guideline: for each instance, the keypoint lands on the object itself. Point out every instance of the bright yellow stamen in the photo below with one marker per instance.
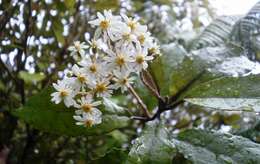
(124, 81)
(89, 123)
(132, 25)
(120, 61)
(101, 87)
(93, 68)
(104, 24)
(141, 39)
(126, 36)
(63, 93)
(81, 78)
(139, 59)
(86, 108)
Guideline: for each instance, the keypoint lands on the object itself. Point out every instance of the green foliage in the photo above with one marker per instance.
(157, 145)
(42, 114)
(31, 77)
(203, 147)
(153, 146)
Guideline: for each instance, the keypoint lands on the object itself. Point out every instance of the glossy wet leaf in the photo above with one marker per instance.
(203, 147)
(153, 146)
(228, 104)
(42, 114)
(227, 87)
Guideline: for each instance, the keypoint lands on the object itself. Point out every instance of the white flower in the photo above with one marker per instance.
(102, 88)
(131, 22)
(81, 76)
(122, 79)
(140, 59)
(78, 48)
(87, 105)
(96, 45)
(87, 119)
(127, 39)
(109, 24)
(154, 49)
(119, 60)
(94, 68)
(64, 93)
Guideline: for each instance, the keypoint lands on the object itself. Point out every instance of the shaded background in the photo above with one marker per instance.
(34, 37)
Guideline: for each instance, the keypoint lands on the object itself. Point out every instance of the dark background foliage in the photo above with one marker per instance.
(34, 37)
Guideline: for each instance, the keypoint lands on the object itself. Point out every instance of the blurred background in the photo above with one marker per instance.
(34, 37)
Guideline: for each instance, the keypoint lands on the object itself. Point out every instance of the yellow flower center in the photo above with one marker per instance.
(126, 37)
(141, 39)
(89, 123)
(139, 59)
(104, 24)
(124, 81)
(86, 108)
(81, 78)
(77, 46)
(101, 87)
(132, 25)
(120, 60)
(63, 93)
(93, 68)
(152, 50)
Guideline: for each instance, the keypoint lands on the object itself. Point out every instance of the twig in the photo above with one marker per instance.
(139, 100)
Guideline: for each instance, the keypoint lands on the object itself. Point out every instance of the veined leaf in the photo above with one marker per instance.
(153, 146)
(203, 147)
(228, 104)
(217, 33)
(43, 114)
(157, 145)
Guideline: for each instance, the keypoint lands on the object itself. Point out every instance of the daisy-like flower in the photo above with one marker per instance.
(96, 45)
(87, 120)
(131, 22)
(154, 49)
(127, 39)
(111, 25)
(78, 48)
(87, 105)
(140, 59)
(94, 68)
(119, 60)
(81, 76)
(64, 93)
(122, 79)
(102, 88)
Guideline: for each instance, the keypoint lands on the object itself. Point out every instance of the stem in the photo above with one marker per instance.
(139, 100)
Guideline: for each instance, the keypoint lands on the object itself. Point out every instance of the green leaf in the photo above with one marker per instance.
(111, 107)
(228, 104)
(69, 4)
(42, 114)
(217, 33)
(246, 32)
(163, 67)
(31, 77)
(101, 5)
(203, 147)
(250, 131)
(153, 146)
(227, 87)
(57, 28)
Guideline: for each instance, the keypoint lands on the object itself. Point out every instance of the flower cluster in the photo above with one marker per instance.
(120, 49)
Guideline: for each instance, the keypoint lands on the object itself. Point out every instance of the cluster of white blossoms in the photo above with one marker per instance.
(120, 50)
